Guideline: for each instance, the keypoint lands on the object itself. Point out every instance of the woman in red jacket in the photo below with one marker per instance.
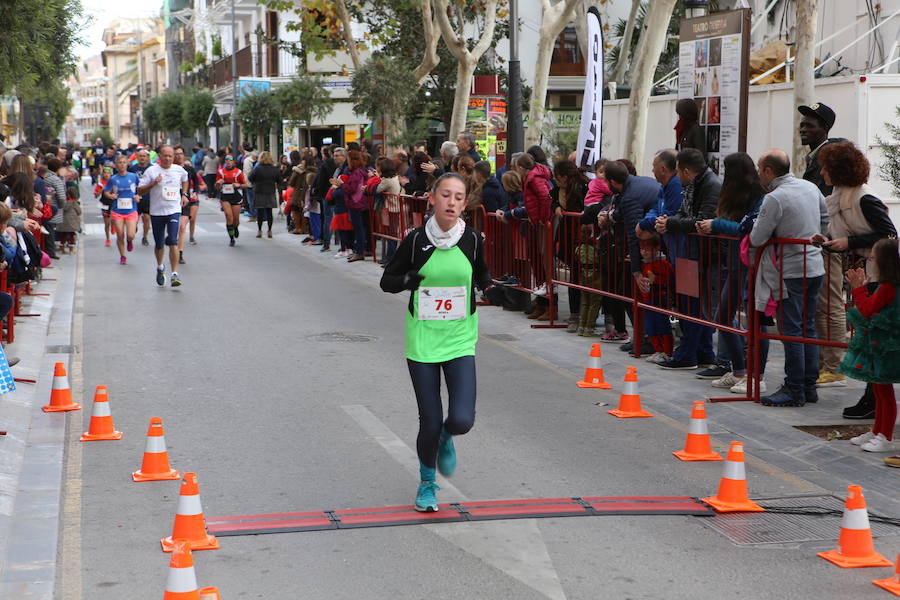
(536, 195)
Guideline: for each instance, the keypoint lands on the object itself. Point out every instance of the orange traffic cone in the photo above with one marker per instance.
(189, 521)
(210, 593)
(855, 547)
(182, 581)
(101, 419)
(732, 496)
(629, 399)
(891, 584)
(697, 445)
(60, 393)
(593, 374)
(155, 466)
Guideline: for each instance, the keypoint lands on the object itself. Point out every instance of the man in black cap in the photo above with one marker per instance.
(817, 121)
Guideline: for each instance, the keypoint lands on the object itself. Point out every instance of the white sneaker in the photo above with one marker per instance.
(540, 291)
(878, 443)
(658, 358)
(741, 387)
(862, 439)
(342, 254)
(728, 380)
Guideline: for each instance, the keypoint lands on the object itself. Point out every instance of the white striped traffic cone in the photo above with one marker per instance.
(697, 446)
(155, 466)
(855, 548)
(189, 521)
(102, 427)
(732, 495)
(60, 392)
(181, 583)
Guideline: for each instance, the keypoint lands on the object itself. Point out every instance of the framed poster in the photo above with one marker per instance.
(714, 70)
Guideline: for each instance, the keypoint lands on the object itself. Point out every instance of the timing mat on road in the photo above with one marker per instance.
(454, 512)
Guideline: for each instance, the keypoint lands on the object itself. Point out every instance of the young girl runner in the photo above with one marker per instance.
(120, 190)
(871, 356)
(229, 182)
(104, 210)
(440, 263)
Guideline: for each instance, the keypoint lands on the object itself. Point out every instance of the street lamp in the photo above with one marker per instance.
(695, 8)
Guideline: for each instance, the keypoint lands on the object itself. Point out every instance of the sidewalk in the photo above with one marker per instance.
(32, 452)
(769, 434)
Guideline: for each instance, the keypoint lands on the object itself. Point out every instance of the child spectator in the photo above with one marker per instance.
(872, 354)
(387, 191)
(656, 268)
(71, 223)
(586, 253)
(598, 188)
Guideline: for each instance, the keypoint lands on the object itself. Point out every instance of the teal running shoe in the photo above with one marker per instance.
(426, 500)
(446, 458)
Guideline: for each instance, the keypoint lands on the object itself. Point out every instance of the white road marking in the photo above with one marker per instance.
(515, 547)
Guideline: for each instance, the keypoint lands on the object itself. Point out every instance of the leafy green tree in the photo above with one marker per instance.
(151, 114)
(384, 88)
(305, 99)
(259, 113)
(103, 134)
(889, 169)
(196, 104)
(38, 41)
(170, 111)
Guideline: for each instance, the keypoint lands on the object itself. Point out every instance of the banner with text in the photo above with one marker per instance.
(589, 136)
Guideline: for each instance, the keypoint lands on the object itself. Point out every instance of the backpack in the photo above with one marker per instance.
(26, 265)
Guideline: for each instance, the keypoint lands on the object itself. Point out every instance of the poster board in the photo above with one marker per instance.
(714, 70)
(486, 119)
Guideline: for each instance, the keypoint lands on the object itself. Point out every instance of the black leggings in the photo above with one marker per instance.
(261, 214)
(426, 380)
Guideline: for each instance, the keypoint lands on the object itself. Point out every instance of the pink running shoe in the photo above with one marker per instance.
(614, 337)
(123, 260)
(130, 246)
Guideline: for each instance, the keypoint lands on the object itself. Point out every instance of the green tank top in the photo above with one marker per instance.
(433, 341)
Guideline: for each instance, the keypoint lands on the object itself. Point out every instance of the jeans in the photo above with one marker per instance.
(357, 217)
(327, 213)
(797, 317)
(732, 345)
(248, 201)
(426, 380)
(696, 341)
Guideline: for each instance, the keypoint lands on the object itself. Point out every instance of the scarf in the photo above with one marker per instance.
(443, 240)
(680, 126)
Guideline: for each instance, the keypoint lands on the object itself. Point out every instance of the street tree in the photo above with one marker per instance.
(384, 88)
(457, 42)
(654, 38)
(196, 104)
(303, 100)
(258, 113)
(889, 169)
(625, 43)
(804, 72)
(171, 111)
(555, 18)
(151, 114)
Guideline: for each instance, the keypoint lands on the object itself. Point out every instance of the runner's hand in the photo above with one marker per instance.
(412, 280)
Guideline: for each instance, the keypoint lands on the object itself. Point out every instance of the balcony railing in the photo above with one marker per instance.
(221, 69)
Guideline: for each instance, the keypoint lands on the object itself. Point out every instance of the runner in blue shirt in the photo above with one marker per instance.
(122, 190)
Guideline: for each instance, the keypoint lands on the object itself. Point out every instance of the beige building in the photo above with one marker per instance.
(88, 91)
(135, 66)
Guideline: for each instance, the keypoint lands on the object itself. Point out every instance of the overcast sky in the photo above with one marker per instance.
(104, 11)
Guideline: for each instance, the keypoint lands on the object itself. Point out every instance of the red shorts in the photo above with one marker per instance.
(132, 216)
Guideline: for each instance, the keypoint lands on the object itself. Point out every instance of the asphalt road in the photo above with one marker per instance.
(273, 419)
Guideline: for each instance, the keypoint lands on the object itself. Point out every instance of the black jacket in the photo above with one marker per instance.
(693, 137)
(813, 172)
(322, 182)
(415, 250)
(265, 179)
(493, 196)
(701, 198)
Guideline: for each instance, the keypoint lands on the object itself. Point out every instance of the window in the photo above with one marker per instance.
(567, 58)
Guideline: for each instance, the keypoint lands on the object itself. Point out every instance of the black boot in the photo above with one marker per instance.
(864, 409)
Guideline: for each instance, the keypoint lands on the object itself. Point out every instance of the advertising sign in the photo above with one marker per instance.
(590, 134)
(713, 69)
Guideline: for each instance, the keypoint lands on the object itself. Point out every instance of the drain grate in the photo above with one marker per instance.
(754, 529)
(340, 336)
(70, 349)
(501, 337)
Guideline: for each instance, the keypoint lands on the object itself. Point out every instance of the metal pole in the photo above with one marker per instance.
(234, 81)
(138, 133)
(515, 133)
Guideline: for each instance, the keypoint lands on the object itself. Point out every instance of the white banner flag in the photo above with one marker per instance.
(589, 137)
